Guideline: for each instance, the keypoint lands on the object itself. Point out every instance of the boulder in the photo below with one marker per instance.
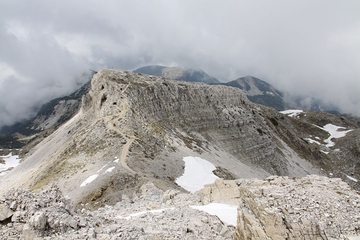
(5, 212)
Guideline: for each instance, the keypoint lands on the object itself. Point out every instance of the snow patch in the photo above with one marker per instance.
(109, 169)
(145, 212)
(292, 112)
(102, 167)
(334, 131)
(89, 180)
(312, 141)
(11, 161)
(227, 213)
(197, 173)
(351, 178)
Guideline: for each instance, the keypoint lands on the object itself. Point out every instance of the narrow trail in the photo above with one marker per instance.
(125, 148)
(130, 140)
(124, 153)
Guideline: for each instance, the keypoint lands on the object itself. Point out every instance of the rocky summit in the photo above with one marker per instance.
(112, 171)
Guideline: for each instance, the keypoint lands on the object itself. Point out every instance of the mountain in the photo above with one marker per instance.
(149, 123)
(130, 149)
(175, 73)
(49, 117)
(260, 92)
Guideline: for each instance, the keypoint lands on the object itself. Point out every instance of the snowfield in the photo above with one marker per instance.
(11, 161)
(198, 172)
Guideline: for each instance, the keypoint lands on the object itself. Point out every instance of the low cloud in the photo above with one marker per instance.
(303, 47)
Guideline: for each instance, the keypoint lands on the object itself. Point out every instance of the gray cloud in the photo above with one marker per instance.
(304, 47)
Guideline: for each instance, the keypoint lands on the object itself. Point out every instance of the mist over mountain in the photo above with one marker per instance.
(176, 73)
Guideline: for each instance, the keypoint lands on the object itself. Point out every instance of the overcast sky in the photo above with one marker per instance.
(303, 47)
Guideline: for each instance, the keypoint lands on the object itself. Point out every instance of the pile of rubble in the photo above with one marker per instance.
(312, 207)
(149, 214)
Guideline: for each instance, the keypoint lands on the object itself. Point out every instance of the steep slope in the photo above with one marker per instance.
(134, 128)
(49, 117)
(340, 155)
(176, 73)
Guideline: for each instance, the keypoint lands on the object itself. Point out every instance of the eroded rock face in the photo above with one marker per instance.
(312, 207)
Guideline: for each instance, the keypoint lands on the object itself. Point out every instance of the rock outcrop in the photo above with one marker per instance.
(312, 207)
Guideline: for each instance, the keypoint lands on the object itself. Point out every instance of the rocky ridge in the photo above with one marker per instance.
(312, 207)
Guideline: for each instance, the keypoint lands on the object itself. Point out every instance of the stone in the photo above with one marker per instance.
(28, 233)
(38, 221)
(5, 212)
(13, 205)
(169, 195)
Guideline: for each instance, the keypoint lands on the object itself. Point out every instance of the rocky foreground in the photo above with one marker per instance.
(312, 207)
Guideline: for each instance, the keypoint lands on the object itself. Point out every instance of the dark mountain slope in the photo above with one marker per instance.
(260, 92)
(50, 116)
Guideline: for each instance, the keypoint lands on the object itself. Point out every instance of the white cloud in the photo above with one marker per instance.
(298, 46)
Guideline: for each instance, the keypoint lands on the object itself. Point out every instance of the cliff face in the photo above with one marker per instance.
(134, 127)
